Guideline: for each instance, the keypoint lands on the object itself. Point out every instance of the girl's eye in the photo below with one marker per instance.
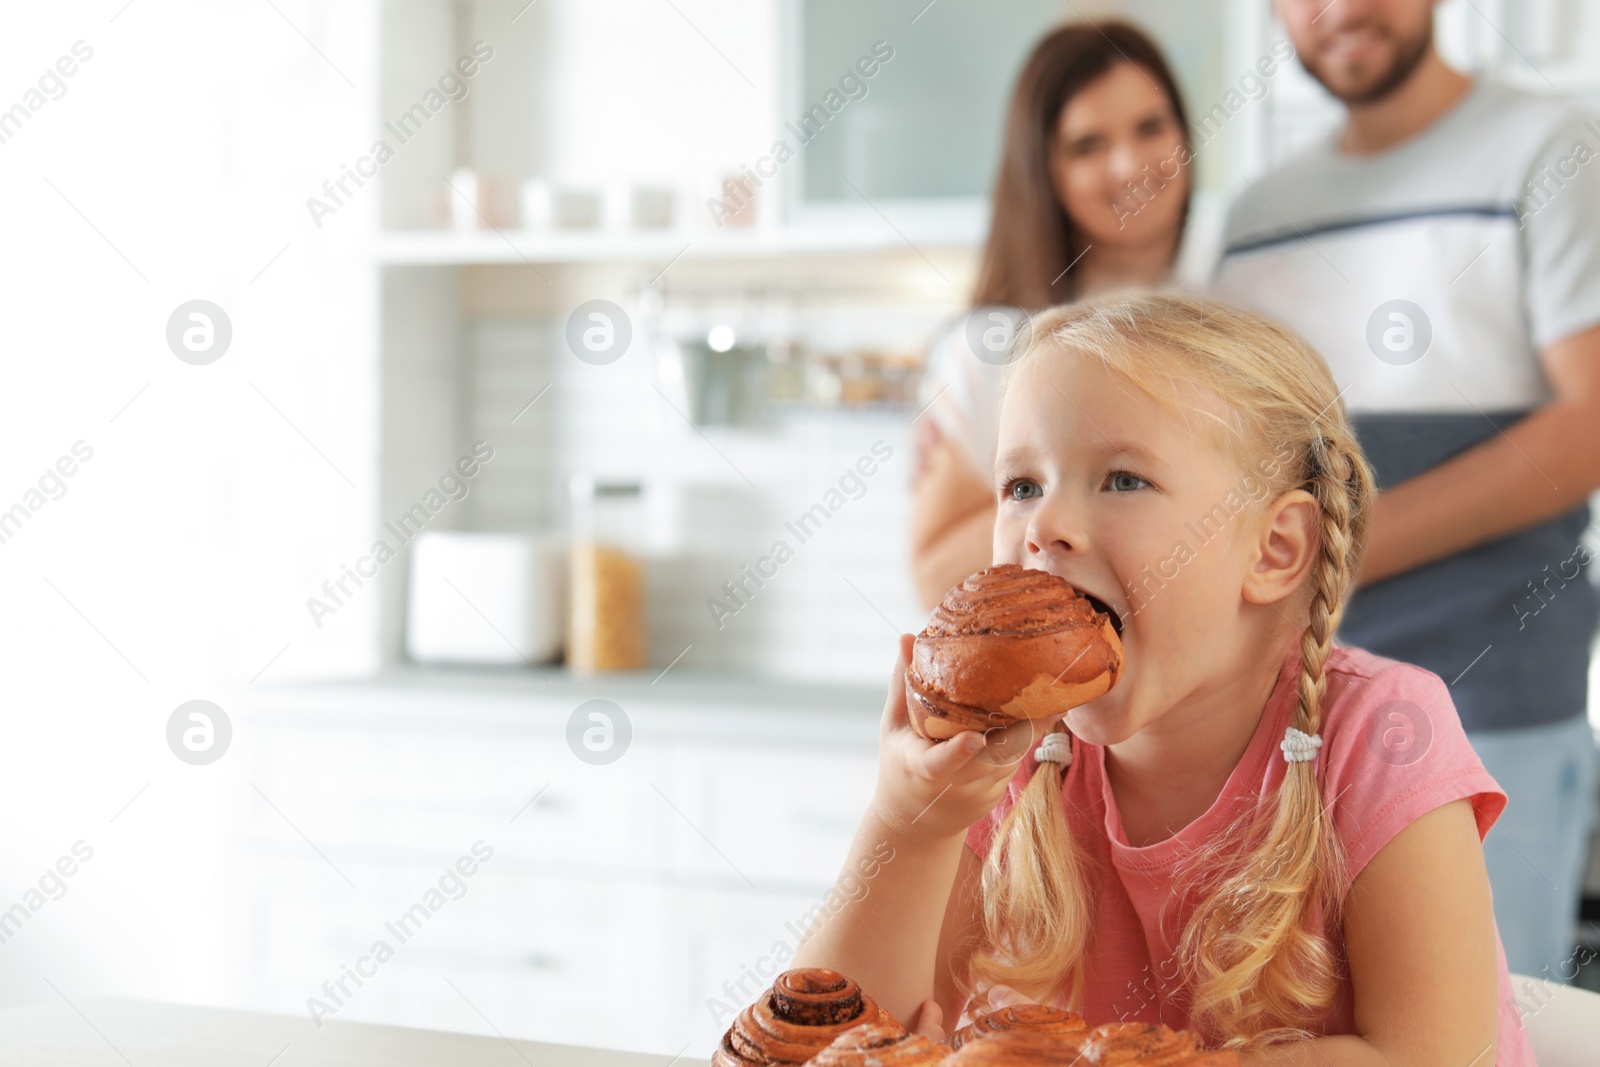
(1022, 489)
(1123, 481)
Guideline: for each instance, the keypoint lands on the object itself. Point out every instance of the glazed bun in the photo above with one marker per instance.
(1019, 1048)
(1037, 1017)
(801, 1014)
(1009, 644)
(879, 1045)
(1132, 1044)
(1122, 1044)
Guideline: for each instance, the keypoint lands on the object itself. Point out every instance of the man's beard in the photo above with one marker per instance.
(1407, 55)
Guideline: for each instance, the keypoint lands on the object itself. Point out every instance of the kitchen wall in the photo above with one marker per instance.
(719, 498)
(173, 166)
(823, 615)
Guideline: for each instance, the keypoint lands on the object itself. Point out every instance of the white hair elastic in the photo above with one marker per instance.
(1299, 746)
(1055, 747)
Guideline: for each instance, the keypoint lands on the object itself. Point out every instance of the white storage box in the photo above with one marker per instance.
(486, 598)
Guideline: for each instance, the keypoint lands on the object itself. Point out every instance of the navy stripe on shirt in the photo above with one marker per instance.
(1488, 211)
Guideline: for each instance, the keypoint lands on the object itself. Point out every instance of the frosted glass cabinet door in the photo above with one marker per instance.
(927, 123)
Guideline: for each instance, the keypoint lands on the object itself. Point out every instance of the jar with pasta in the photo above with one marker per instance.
(606, 631)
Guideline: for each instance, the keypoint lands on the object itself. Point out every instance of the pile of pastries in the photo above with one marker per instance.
(820, 1018)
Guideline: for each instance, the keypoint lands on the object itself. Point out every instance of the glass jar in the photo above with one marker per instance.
(606, 628)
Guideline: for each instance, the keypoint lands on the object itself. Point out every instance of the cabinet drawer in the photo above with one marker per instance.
(411, 793)
(783, 819)
(733, 945)
(551, 959)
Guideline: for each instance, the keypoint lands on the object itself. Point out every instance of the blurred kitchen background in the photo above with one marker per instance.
(389, 334)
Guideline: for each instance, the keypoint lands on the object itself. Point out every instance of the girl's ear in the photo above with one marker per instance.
(1288, 542)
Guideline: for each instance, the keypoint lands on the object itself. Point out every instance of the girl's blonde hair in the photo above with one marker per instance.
(1256, 958)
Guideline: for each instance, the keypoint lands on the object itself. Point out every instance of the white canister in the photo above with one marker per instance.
(536, 204)
(486, 598)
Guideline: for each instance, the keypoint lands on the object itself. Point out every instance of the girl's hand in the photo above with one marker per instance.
(933, 791)
(992, 999)
(996, 997)
(929, 1021)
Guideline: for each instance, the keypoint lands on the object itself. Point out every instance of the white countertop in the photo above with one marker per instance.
(681, 683)
(682, 704)
(117, 1033)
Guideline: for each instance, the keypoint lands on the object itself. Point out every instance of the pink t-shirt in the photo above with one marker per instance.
(1392, 750)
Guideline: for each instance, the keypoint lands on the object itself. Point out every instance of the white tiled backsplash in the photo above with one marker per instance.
(718, 502)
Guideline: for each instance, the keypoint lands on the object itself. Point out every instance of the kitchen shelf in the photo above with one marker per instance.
(431, 248)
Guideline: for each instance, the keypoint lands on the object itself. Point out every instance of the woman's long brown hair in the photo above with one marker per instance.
(1032, 241)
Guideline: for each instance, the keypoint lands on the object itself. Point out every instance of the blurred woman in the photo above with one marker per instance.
(1092, 196)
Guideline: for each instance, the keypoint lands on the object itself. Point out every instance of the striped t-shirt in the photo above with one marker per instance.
(1429, 276)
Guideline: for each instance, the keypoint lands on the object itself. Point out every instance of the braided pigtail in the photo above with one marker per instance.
(1259, 957)
(1038, 897)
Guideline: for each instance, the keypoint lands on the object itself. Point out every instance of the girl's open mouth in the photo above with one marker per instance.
(1104, 608)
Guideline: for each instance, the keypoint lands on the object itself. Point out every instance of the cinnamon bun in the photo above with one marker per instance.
(879, 1045)
(1037, 1017)
(1133, 1044)
(1018, 1048)
(1009, 644)
(803, 1012)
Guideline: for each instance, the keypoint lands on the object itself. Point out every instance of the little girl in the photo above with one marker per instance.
(1257, 834)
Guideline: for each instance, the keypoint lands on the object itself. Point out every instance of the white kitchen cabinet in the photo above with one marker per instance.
(618, 906)
(785, 812)
(732, 946)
